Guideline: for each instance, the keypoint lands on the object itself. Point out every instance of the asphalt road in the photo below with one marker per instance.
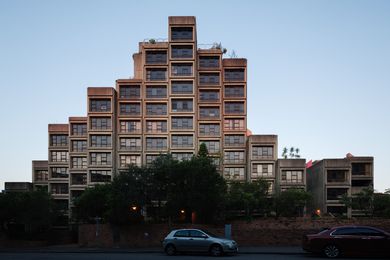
(149, 256)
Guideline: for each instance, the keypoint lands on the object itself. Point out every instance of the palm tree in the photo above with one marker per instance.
(292, 149)
(285, 152)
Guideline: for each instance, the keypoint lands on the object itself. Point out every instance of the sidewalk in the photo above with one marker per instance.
(280, 250)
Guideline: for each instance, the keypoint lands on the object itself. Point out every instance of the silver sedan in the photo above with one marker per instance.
(196, 240)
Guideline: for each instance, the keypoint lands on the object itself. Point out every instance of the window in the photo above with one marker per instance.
(58, 140)
(130, 126)
(232, 108)
(100, 158)
(182, 156)
(59, 188)
(336, 175)
(181, 105)
(209, 112)
(209, 130)
(79, 129)
(234, 157)
(362, 169)
(156, 126)
(262, 152)
(41, 175)
(234, 91)
(182, 233)
(156, 74)
(156, 143)
(126, 160)
(129, 92)
(182, 123)
(78, 179)
(182, 87)
(262, 170)
(345, 231)
(197, 233)
(100, 105)
(100, 123)
(234, 124)
(335, 193)
(212, 146)
(150, 158)
(156, 57)
(180, 141)
(208, 61)
(209, 95)
(59, 172)
(100, 176)
(130, 143)
(181, 51)
(130, 109)
(101, 141)
(156, 91)
(209, 78)
(234, 173)
(79, 162)
(79, 146)
(181, 69)
(181, 33)
(234, 74)
(291, 176)
(369, 232)
(234, 140)
(156, 109)
(59, 156)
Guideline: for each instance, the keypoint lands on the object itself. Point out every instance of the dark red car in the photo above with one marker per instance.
(348, 240)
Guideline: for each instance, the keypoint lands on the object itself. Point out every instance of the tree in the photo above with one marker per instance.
(130, 194)
(381, 205)
(34, 210)
(248, 197)
(94, 202)
(290, 203)
(369, 202)
(196, 188)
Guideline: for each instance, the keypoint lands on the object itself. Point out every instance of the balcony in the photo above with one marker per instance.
(182, 70)
(181, 33)
(209, 79)
(156, 74)
(209, 62)
(234, 75)
(182, 52)
(156, 57)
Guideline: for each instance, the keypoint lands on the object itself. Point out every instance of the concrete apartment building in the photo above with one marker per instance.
(182, 94)
(329, 179)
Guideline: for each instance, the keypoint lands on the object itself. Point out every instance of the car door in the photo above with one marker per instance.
(375, 242)
(199, 240)
(181, 240)
(347, 239)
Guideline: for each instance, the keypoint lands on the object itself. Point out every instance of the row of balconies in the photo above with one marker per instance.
(185, 70)
(152, 92)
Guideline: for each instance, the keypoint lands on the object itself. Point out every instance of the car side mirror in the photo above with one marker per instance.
(204, 236)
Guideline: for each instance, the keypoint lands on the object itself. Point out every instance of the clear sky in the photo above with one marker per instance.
(318, 71)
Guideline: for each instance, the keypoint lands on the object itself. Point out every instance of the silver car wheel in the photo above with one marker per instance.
(170, 250)
(331, 251)
(216, 250)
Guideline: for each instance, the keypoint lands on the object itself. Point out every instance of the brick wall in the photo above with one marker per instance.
(257, 233)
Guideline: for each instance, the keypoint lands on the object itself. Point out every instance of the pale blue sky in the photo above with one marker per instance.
(318, 71)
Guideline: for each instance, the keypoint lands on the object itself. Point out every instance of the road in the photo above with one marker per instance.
(149, 256)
